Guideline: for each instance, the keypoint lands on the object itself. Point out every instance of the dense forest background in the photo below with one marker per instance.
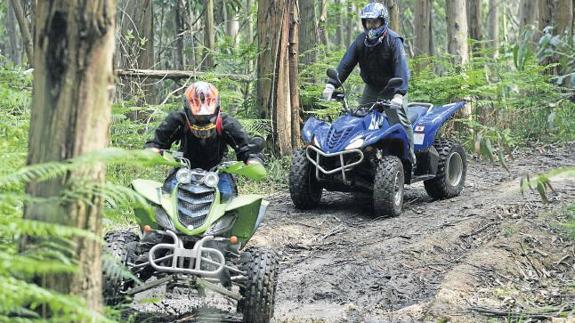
(512, 61)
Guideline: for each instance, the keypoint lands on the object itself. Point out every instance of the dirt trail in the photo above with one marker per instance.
(456, 259)
(341, 264)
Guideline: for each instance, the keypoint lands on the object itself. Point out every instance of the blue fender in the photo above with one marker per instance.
(425, 129)
(395, 132)
(310, 129)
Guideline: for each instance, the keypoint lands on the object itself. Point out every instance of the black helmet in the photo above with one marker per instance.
(374, 11)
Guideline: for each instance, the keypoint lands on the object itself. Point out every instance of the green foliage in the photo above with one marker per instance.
(542, 183)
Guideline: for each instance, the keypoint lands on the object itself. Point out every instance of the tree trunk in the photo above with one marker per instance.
(546, 10)
(293, 73)
(422, 23)
(493, 25)
(138, 50)
(339, 23)
(350, 21)
(457, 38)
(273, 69)
(146, 58)
(179, 13)
(564, 18)
(393, 7)
(308, 37)
(24, 29)
(73, 88)
(209, 34)
(250, 24)
(322, 26)
(457, 30)
(474, 24)
(232, 25)
(527, 14)
(13, 49)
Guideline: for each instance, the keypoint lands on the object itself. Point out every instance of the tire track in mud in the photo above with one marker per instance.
(339, 263)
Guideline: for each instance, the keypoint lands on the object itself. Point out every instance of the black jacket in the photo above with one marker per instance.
(378, 64)
(202, 153)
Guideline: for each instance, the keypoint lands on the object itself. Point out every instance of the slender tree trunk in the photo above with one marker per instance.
(138, 50)
(308, 37)
(322, 26)
(24, 29)
(293, 73)
(393, 7)
(209, 33)
(457, 37)
(546, 10)
(493, 25)
(528, 12)
(564, 18)
(339, 23)
(349, 23)
(273, 69)
(457, 30)
(474, 23)
(179, 15)
(422, 23)
(11, 29)
(250, 24)
(232, 25)
(73, 87)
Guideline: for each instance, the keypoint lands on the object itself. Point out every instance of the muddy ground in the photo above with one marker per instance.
(489, 253)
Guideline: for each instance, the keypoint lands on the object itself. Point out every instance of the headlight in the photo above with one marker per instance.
(316, 142)
(355, 144)
(211, 179)
(184, 176)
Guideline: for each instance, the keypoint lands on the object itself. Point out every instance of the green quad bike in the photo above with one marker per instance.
(195, 240)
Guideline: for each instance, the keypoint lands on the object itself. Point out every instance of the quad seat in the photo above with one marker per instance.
(416, 110)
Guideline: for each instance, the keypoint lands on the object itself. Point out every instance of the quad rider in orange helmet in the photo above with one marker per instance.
(204, 133)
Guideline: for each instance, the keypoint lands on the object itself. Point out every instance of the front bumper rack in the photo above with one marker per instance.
(344, 166)
(189, 261)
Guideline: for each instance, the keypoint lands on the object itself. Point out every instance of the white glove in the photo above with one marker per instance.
(328, 91)
(397, 100)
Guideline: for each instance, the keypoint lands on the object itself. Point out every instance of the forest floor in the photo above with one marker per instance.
(490, 252)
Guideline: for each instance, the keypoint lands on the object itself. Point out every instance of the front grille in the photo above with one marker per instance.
(194, 202)
(335, 137)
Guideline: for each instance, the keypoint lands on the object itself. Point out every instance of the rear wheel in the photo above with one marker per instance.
(121, 245)
(261, 267)
(305, 191)
(388, 187)
(451, 170)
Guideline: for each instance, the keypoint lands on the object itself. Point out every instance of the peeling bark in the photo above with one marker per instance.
(73, 85)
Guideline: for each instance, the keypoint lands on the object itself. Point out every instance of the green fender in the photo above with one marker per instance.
(243, 200)
(151, 190)
(250, 209)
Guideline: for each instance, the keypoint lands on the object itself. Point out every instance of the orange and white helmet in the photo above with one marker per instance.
(202, 106)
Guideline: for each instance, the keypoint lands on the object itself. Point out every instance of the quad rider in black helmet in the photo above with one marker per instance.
(381, 56)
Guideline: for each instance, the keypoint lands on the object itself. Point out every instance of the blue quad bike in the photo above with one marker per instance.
(361, 152)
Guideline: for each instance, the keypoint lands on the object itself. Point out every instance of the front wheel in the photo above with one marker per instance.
(388, 187)
(451, 170)
(304, 189)
(121, 246)
(258, 292)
